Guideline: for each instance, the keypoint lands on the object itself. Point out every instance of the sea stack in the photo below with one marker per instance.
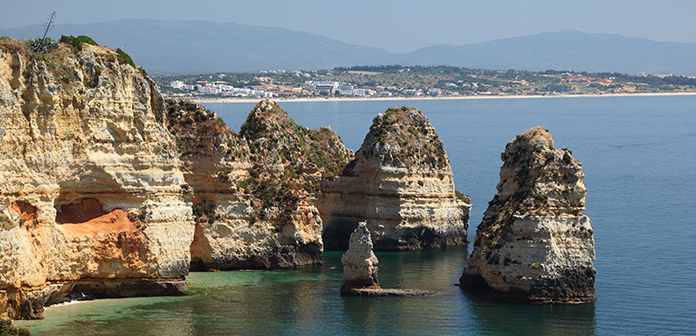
(400, 182)
(359, 262)
(360, 269)
(252, 191)
(533, 243)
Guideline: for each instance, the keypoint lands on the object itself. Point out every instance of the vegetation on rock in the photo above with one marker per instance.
(76, 42)
(404, 137)
(286, 161)
(6, 329)
(67, 61)
(539, 181)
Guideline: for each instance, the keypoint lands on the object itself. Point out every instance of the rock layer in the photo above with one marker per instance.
(533, 243)
(359, 262)
(401, 183)
(253, 190)
(89, 181)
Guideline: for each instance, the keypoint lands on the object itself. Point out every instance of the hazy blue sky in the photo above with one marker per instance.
(403, 25)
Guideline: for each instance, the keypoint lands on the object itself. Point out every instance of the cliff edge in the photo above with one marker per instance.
(533, 243)
(90, 188)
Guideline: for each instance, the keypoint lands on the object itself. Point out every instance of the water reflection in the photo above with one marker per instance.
(307, 301)
(526, 319)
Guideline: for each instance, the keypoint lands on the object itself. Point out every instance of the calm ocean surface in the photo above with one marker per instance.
(639, 157)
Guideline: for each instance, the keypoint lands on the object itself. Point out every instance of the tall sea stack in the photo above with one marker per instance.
(401, 183)
(533, 243)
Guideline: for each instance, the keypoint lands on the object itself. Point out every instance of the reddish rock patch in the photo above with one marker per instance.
(89, 218)
(86, 210)
(113, 222)
(26, 211)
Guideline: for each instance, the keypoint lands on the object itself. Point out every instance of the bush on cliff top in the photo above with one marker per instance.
(124, 58)
(77, 42)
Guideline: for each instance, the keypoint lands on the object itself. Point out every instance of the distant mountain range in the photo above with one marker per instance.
(170, 47)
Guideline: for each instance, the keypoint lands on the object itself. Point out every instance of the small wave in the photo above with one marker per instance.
(72, 302)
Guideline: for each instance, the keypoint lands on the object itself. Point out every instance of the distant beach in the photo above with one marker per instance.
(339, 99)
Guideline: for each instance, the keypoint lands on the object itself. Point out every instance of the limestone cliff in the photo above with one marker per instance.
(90, 191)
(401, 183)
(533, 243)
(253, 190)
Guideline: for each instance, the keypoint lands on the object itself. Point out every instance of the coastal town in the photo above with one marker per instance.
(397, 81)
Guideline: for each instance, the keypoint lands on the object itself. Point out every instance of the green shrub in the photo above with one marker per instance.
(124, 58)
(464, 198)
(76, 42)
(6, 329)
(541, 197)
(28, 73)
(567, 158)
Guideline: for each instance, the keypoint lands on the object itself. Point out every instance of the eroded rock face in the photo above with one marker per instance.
(253, 190)
(401, 183)
(89, 182)
(533, 243)
(359, 262)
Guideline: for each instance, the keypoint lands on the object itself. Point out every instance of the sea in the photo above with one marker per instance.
(639, 157)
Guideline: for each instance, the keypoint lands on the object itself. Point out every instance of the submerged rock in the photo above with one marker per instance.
(401, 183)
(533, 243)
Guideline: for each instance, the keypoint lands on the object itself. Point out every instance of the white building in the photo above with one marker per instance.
(329, 87)
(346, 89)
(209, 90)
(177, 84)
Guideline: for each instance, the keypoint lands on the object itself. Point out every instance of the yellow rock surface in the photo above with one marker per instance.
(401, 184)
(89, 180)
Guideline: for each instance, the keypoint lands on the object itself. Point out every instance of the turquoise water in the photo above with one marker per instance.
(639, 155)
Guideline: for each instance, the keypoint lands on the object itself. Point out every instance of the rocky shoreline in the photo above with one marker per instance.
(108, 190)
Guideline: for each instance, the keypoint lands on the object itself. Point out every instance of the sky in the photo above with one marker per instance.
(400, 26)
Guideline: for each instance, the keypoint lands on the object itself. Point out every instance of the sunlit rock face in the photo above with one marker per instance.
(533, 243)
(400, 182)
(253, 191)
(90, 186)
(359, 262)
